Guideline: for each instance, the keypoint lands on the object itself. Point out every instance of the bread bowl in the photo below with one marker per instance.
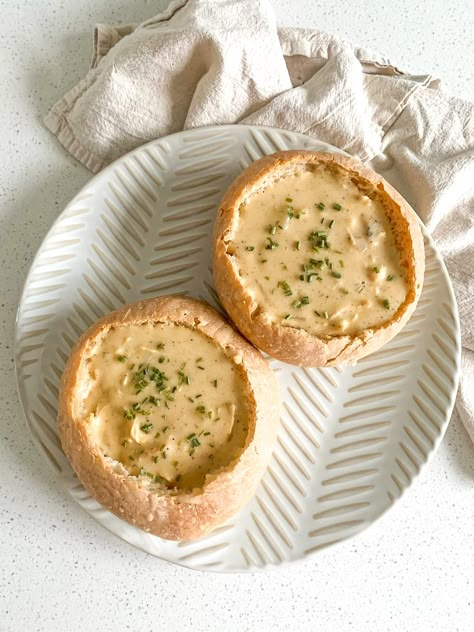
(168, 416)
(316, 258)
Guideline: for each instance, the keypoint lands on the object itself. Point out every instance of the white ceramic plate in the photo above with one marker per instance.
(351, 440)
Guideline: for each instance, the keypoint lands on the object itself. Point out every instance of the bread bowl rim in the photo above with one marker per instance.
(286, 342)
(186, 514)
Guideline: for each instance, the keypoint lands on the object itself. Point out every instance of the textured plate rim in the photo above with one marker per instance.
(268, 566)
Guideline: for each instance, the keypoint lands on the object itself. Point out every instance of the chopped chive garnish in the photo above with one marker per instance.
(160, 345)
(199, 359)
(189, 437)
(287, 317)
(390, 277)
(298, 245)
(337, 207)
(331, 223)
(386, 303)
(326, 315)
(321, 206)
(341, 263)
(215, 383)
(124, 443)
(161, 359)
(305, 300)
(317, 313)
(272, 229)
(206, 434)
(195, 442)
(336, 275)
(271, 245)
(376, 269)
(156, 459)
(201, 410)
(321, 233)
(121, 358)
(344, 290)
(322, 220)
(296, 303)
(285, 287)
(288, 199)
(250, 248)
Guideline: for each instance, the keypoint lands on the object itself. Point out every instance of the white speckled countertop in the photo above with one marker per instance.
(59, 570)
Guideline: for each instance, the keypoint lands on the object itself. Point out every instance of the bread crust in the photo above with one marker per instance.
(171, 514)
(287, 343)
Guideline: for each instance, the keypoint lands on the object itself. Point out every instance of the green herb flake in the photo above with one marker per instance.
(287, 317)
(331, 223)
(376, 269)
(386, 303)
(285, 287)
(195, 442)
(325, 315)
(321, 206)
(336, 275)
(305, 300)
(250, 248)
(298, 245)
(124, 443)
(215, 383)
(288, 199)
(160, 345)
(337, 207)
(390, 277)
(271, 245)
(201, 410)
(146, 428)
(121, 358)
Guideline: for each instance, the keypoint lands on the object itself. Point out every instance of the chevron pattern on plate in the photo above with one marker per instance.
(351, 440)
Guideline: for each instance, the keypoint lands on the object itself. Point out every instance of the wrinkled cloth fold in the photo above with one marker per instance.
(214, 62)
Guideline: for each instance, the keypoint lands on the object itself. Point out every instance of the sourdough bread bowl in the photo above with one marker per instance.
(316, 258)
(168, 416)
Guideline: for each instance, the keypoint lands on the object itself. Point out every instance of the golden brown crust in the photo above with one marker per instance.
(177, 515)
(291, 344)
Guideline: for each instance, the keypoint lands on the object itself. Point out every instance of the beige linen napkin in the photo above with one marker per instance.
(206, 62)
